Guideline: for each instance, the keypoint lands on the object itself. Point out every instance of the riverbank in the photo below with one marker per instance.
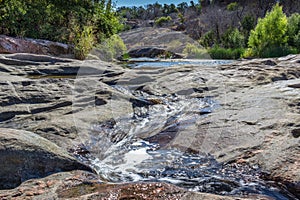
(256, 122)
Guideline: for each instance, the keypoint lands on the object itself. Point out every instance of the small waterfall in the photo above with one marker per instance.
(135, 148)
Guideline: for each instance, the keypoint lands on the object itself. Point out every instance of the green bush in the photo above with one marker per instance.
(162, 20)
(232, 38)
(84, 43)
(195, 51)
(294, 31)
(116, 46)
(248, 24)
(232, 6)
(222, 53)
(270, 32)
(278, 51)
(111, 48)
(208, 39)
(297, 42)
(181, 18)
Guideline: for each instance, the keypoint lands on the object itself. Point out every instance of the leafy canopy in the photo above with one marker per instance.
(57, 20)
(270, 32)
(294, 30)
(78, 22)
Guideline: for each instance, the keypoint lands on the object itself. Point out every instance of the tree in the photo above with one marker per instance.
(294, 30)
(73, 21)
(182, 7)
(248, 24)
(269, 36)
(232, 38)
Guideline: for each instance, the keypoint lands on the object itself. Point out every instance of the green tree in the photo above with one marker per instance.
(12, 14)
(248, 23)
(233, 38)
(208, 39)
(294, 30)
(269, 38)
(75, 22)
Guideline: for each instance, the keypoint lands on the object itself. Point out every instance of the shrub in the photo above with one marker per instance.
(181, 18)
(297, 42)
(111, 48)
(293, 30)
(270, 32)
(232, 6)
(208, 39)
(116, 45)
(232, 38)
(195, 51)
(248, 24)
(278, 51)
(84, 43)
(222, 53)
(162, 20)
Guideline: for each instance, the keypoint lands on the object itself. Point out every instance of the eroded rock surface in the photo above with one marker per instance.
(83, 185)
(36, 46)
(256, 120)
(25, 155)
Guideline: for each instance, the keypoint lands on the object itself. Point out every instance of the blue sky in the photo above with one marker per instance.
(120, 3)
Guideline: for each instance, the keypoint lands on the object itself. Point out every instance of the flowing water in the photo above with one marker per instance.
(118, 154)
(154, 63)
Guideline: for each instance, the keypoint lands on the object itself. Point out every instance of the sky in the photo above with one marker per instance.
(120, 3)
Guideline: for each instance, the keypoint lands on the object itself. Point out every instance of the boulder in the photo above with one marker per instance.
(158, 39)
(35, 46)
(152, 52)
(25, 155)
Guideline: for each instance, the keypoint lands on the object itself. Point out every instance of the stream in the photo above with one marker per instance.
(137, 148)
(155, 63)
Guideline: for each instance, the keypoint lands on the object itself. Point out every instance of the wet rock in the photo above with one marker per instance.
(256, 123)
(257, 118)
(83, 185)
(25, 155)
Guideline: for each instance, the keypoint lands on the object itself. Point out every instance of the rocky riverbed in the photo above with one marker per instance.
(57, 115)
